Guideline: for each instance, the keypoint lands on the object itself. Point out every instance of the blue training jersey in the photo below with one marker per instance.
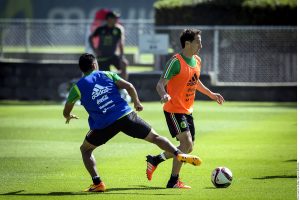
(101, 99)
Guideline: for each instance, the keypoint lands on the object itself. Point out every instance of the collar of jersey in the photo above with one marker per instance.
(188, 60)
(88, 73)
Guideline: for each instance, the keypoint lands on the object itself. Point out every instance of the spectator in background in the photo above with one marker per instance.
(111, 39)
(99, 20)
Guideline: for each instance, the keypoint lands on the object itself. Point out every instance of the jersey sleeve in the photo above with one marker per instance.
(172, 68)
(112, 75)
(74, 94)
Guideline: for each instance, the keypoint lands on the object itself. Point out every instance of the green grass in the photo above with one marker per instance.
(40, 157)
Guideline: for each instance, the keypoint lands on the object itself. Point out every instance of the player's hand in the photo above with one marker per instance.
(218, 98)
(138, 106)
(71, 117)
(165, 98)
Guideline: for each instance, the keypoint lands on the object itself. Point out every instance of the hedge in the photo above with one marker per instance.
(226, 12)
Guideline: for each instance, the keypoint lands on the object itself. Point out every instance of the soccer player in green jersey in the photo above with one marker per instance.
(177, 88)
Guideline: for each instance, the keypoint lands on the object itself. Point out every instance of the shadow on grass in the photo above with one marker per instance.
(273, 177)
(293, 160)
(136, 187)
(109, 191)
(210, 188)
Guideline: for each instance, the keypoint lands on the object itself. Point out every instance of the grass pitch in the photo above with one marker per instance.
(40, 157)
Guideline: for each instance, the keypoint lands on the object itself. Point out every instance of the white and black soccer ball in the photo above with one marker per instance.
(221, 177)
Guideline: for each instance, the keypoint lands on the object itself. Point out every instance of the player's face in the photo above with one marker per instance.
(111, 21)
(95, 64)
(196, 45)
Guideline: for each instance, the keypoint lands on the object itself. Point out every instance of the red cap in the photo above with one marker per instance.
(101, 14)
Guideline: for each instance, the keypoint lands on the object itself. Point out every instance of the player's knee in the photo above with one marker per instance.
(190, 144)
(84, 149)
(186, 146)
(190, 149)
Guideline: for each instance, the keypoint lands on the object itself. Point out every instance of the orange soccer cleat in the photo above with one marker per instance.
(179, 184)
(96, 188)
(150, 167)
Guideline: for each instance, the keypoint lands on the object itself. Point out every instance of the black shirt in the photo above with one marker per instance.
(109, 39)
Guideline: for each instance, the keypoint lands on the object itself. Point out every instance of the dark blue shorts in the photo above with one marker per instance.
(131, 124)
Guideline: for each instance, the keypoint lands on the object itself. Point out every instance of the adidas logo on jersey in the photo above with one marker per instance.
(193, 81)
(99, 90)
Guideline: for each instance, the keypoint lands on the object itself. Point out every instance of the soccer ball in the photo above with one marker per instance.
(221, 177)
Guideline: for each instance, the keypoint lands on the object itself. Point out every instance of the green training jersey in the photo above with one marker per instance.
(173, 66)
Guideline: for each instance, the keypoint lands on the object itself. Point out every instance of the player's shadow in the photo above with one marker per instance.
(293, 160)
(20, 193)
(210, 188)
(135, 187)
(110, 191)
(274, 177)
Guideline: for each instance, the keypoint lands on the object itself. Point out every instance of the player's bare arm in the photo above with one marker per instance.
(92, 44)
(121, 47)
(123, 60)
(67, 112)
(91, 41)
(122, 84)
(160, 88)
(214, 96)
(121, 42)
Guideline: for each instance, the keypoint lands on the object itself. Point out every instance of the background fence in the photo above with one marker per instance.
(237, 55)
(245, 55)
(29, 35)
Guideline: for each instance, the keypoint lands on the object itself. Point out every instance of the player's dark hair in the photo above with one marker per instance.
(188, 35)
(112, 14)
(86, 61)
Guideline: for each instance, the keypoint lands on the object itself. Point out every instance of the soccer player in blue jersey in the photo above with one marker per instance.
(109, 114)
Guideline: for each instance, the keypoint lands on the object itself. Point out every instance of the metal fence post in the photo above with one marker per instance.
(27, 35)
(216, 55)
(1, 40)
